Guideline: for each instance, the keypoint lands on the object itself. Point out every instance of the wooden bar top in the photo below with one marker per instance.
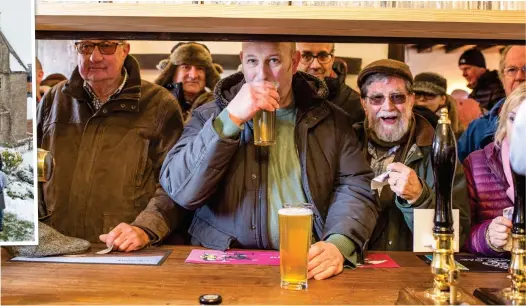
(176, 282)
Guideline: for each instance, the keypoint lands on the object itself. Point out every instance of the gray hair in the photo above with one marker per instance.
(502, 62)
(381, 77)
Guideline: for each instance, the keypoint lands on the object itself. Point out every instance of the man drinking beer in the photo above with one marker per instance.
(237, 188)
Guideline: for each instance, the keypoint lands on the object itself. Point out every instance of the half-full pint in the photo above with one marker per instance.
(264, 128)
(295, 230)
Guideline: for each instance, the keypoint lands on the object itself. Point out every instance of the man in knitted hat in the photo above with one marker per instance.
(109, 132)
(431, 93)
(186, 74)
(397, 143)
(481, 132)
(317, 59)
(486, 85)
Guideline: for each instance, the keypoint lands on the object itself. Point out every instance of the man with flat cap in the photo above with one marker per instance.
(395, 139)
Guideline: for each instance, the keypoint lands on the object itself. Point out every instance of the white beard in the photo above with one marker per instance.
(391, 132)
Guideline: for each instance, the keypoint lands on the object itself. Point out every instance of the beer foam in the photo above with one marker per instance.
(295, 211)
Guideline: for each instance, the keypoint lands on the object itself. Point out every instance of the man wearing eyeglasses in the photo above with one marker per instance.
(317, 59)
(487, 88)
(109, 132)
(398, 141)
(480, 132)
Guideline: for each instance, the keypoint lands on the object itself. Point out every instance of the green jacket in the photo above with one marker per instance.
(394, 228)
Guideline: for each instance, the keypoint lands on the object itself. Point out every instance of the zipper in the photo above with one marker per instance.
(318, 223)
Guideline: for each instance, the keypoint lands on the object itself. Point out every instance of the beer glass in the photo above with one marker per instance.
(265, 126)
(295, 231)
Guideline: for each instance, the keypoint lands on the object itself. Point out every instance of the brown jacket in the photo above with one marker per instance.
(107, 162)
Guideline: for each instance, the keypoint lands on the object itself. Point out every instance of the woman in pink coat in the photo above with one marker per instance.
(490, 185)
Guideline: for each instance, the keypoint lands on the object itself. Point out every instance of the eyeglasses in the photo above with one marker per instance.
(105, 47)
(323, 58)
(425, 95)
(396, 98)
(512, 71)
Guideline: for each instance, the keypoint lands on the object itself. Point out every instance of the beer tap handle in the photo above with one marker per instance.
(519, 212)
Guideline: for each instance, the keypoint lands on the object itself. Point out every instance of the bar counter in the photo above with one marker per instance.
(177, 282)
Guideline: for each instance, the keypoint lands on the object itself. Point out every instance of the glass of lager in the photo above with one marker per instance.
(295, 232)
(265, 127)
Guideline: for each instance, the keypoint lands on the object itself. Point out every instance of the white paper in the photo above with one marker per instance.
(423, 240)
(116, 260)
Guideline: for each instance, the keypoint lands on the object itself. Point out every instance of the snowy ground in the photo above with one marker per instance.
(22, 208)
(19, 199)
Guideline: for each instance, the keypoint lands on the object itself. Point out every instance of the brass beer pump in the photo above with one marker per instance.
(516, 294)
(444, 160)
(443, 267)
(45, 165)
(517, 291)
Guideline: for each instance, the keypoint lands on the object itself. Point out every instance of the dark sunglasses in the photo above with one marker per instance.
(396, 98)
(425, 95)
(105, 47)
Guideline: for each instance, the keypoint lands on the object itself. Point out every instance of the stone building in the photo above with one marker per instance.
(13, 96)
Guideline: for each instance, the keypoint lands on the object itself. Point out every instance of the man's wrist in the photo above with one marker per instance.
(235, 119)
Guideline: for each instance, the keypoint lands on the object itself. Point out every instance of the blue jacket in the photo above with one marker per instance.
(480, 132)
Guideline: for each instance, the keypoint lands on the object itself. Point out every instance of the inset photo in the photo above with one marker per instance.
(18, 212)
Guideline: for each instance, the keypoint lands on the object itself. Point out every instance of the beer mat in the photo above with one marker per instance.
(269, 258)
(472, 263)
(144, 257)
(378, 260)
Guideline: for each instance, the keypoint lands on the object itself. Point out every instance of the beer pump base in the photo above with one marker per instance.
(421, 296)
(496, 296)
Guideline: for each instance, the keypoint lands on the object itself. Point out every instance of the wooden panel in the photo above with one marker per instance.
(176, 282)
(281, 20)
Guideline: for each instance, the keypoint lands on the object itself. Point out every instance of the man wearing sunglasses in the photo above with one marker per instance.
(109, 132)
(317, 59)
(480, 132)
(398, 141)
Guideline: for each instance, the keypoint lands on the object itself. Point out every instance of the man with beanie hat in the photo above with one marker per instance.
(481, 131)
(431, 93)
(397, 141)
(186, 74)
(486, 85)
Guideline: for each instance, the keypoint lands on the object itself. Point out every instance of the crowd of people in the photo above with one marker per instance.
(174, 161)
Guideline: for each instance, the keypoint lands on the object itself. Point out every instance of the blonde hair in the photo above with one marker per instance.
(512, 101)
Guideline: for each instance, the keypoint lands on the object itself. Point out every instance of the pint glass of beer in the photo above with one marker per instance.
(295, 231)
(265, 126)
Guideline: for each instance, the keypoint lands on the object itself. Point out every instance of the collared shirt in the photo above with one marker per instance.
(381, 159)
(95, 101)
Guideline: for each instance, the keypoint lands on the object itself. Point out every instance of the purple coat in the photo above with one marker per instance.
(487, 187)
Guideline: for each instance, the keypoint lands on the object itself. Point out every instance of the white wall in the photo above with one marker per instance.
(367, 52)
(446, 64)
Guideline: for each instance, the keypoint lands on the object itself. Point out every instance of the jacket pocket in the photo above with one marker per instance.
(209, 236)
(141, 172)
